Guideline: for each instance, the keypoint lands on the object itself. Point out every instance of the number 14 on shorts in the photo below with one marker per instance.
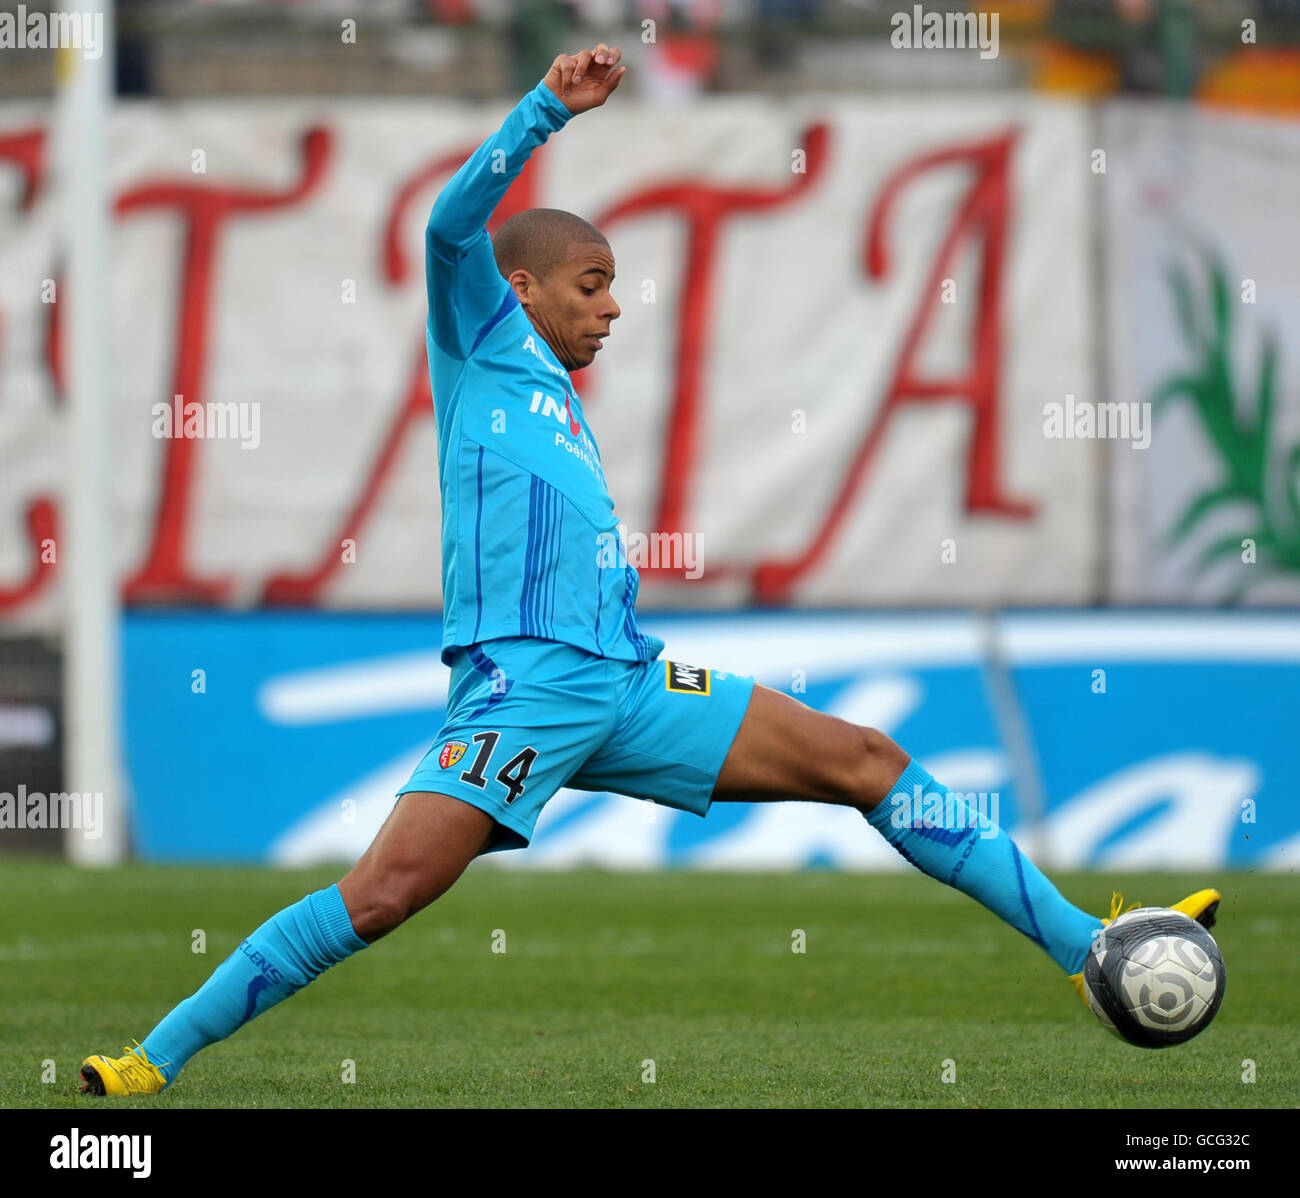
(511, 775)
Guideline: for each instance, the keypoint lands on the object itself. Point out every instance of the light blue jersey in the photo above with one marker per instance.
(529, 539)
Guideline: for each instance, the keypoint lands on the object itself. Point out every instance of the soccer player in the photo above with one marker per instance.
(553, 683)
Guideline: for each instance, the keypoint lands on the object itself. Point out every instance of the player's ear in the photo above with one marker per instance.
(524, 285)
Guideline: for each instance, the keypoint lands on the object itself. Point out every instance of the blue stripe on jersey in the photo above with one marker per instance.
(530, 562)
(629, 620)
(647, 654)
(545, 577)
(555, 559)
(541, 559)
(544, 566)
(486, 666)
(497, 317)
(478, 551)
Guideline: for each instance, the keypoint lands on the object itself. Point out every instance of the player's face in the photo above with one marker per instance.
(574, 308)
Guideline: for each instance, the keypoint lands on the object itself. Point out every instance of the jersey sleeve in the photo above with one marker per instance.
(465, 288)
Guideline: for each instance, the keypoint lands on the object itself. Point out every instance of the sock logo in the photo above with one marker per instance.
(944, 837)
(956, 869)
(269, 971)
(255, 987)
(267, 977)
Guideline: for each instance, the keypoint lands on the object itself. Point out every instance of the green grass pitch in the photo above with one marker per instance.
(901, 982)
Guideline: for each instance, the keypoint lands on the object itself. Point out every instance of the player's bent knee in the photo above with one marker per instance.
(380, 912)
(375, 917)
(857, 769)
(881, 763)
(376, 910)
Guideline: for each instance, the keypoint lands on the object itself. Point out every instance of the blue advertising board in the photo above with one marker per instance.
(1141, 740)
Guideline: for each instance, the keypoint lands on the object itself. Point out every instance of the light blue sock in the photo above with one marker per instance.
(283, 955)
(944, 836)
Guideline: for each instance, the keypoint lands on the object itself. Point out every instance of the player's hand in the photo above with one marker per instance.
(584, 81)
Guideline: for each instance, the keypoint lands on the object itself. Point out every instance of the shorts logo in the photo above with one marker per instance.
(686, 680)
(451, 753)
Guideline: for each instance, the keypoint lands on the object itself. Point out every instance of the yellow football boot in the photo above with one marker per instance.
(1201, 906)
(121, 1077)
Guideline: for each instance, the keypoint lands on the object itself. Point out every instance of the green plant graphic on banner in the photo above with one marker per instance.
(1242, 436)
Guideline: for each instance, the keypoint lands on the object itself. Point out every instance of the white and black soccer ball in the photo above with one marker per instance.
(1154, 977)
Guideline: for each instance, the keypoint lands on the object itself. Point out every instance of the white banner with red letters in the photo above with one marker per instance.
(844, 326)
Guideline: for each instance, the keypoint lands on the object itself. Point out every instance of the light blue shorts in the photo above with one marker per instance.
(526, 717)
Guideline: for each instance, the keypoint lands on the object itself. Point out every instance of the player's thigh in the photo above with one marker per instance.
(674, 725)
(422, 848)
(788, 750)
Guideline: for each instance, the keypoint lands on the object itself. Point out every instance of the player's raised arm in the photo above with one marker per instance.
(465, 288)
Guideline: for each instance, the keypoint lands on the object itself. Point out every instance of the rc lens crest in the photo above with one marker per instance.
(451, 753)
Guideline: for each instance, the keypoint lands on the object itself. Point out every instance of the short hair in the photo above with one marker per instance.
(540, 239)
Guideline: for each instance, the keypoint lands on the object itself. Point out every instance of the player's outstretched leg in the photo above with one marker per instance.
(787, 750)
(940, 833)
(423, 847)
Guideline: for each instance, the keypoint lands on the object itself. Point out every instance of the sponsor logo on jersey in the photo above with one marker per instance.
(531, 346)
(451, 753)
(550, 408)
(686, 680)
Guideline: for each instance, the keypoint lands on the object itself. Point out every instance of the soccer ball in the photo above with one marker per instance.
(1154, 977)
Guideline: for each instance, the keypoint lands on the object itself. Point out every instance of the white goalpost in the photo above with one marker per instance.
(92, 617)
